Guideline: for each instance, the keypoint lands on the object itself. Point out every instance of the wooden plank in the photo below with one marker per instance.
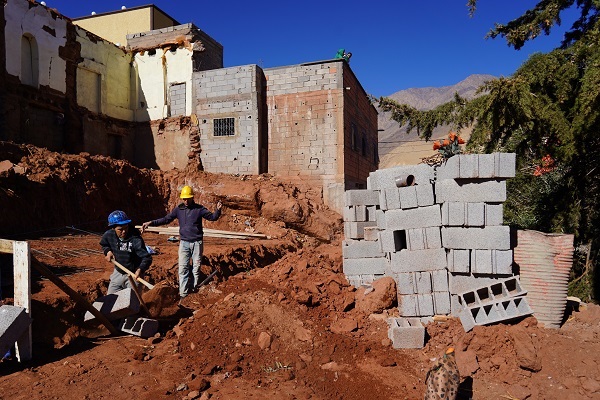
(22, 295)
(174, 230)
(6, 246)
(136, 290)
(42, 269)
(128, 272)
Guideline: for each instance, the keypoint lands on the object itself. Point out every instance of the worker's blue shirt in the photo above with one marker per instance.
(190, 220)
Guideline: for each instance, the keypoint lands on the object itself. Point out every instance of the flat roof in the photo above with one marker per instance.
(125, 10)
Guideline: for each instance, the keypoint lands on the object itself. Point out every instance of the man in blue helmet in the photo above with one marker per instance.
(124, 244)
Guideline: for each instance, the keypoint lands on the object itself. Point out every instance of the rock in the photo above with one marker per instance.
(331, 366)
(466, 361)
(177, 330)
(344, 325)
(591, 386)
(264, 340)
(387, 362)
(382, 296)
(526, 352)
(229, 297)
(5, 165)
(303, 334)
(387, 342)
(519, 392)
(194, 394)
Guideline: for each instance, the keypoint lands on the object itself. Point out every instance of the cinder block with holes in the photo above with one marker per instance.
(497, 311)
(406, 333)
(493, 292)
(142, 327)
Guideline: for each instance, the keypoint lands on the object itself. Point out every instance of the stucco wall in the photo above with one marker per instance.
(114, 27)
(156, 70)
(49, 30)
(104, 77)
(230, 93)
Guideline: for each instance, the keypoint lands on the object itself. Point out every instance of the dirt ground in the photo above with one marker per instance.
(277, 321)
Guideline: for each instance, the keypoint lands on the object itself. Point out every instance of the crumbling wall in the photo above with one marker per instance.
(230, 96)
(104, 76)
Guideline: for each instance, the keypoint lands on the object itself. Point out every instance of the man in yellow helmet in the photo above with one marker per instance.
(189, 214)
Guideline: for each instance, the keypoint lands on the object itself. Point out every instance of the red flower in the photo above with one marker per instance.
(436, 145)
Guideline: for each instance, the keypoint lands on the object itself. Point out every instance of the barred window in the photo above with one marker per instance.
(224, 127)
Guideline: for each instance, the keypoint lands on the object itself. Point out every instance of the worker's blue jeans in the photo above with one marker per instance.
(194, 251)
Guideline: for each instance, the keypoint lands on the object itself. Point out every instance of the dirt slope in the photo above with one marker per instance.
(278, 321)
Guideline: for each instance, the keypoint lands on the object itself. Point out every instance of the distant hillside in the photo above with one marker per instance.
(396, 147)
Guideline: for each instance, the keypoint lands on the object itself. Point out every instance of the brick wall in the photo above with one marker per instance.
(305, 115)
(230, 93)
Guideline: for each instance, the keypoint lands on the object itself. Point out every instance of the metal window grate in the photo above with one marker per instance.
(224, 127)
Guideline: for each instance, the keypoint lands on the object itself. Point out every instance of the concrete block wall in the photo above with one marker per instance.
(229, 93)
(439, 237)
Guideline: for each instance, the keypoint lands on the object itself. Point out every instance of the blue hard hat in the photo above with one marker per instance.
(118, 217)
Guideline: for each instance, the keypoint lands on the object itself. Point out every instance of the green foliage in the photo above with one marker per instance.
(549, 109)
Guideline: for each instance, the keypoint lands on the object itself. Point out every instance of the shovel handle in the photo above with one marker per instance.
(128, 272)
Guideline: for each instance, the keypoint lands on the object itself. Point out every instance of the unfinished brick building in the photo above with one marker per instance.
(165, 99)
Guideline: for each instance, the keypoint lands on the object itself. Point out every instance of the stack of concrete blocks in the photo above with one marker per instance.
(437, 231)
(116, 305)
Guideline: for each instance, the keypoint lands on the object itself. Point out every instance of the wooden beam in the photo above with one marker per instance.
(174, 230)
(6, 246)
(42, 269)
(22, 295)
(128, 272)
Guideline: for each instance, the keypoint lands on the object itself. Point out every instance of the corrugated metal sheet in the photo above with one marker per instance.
(545, 261)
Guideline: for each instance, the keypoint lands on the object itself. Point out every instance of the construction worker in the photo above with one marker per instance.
(124, 244)
(189, 214)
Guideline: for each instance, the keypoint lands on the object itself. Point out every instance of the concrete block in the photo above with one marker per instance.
(500, 290)
(475, 214)
(449, 169)
(439, 280)
(380, 216)
(366, 266)
(418, 260)
(142, 327)
(421, 217)
(371, 213)
(505, 164)
(512, 308)
(356, 230)
(405, 283)
(361, 198)
(360, 213)
(425, 196)
(489, 237)
(423, 282)
(460, 283)
(14, 323)
(408, 305)
(459, 260)
(498, 262)
(386, 178)
(486, 166)
(116, 305)
(494, 214)
(371, 233)
(363, 280)
(392, 198)
(349, 214)
(441, 303)
(406, 333)
(453, 213)
(392, 241)
(492, 191)
(425, 304)
(423, 238)
(468, 166)
(408, 197)
(382, 200)
(361, 249)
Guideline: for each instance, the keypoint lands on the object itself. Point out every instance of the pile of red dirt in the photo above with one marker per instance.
(279, 319)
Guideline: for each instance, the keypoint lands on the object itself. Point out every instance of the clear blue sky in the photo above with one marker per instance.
(396, 44)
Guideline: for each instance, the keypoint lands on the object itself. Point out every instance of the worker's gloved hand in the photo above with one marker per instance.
(109, 256)
(219, 205)
(145, 226)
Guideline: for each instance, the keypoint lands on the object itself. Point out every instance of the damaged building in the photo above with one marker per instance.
(159, 97)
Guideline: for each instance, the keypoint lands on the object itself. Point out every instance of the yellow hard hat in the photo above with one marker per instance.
(186, 193)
